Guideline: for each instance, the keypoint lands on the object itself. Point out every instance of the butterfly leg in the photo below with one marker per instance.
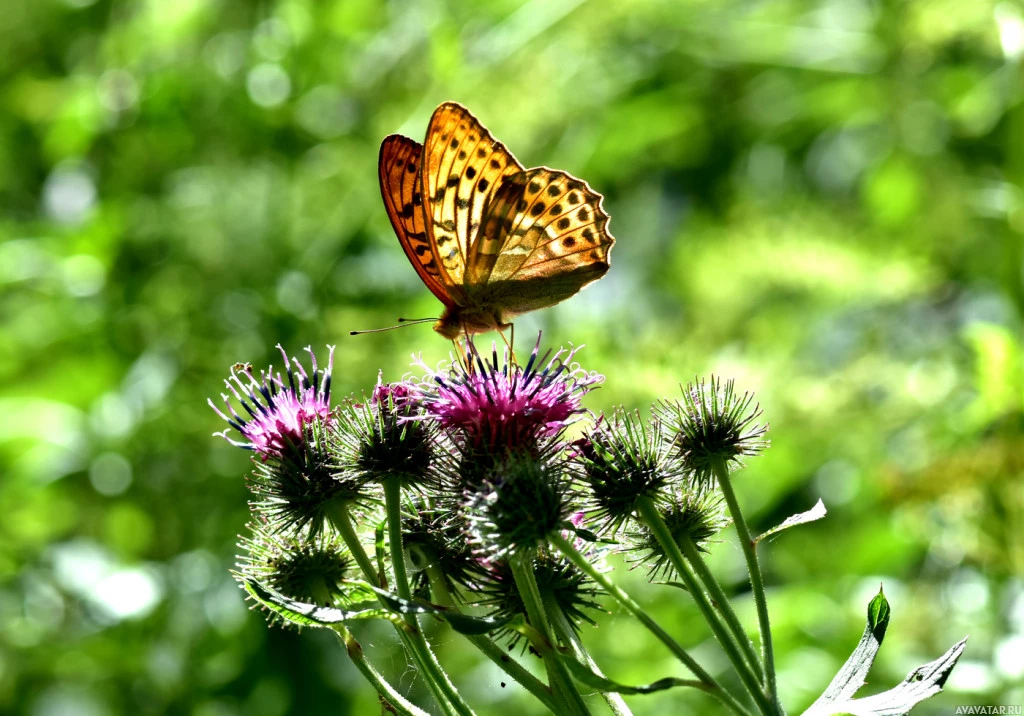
(510, 341)
(460, 354)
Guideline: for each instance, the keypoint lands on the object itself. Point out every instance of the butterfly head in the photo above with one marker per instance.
(469, 320)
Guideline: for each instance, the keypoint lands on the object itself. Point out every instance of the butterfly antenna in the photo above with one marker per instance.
(403, 322)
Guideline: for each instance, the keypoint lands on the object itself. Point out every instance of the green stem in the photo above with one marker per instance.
(649, 513)
(428, 662)
(561, 682)
(563, 630)
(707, 681)
(756, 580)
(355, 650)
(393, 508)
(341, 519)
(488, 648)
(720, 600)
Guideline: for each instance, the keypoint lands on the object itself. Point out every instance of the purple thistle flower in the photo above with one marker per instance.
(400, 394)
(493, 406)
(278, 413)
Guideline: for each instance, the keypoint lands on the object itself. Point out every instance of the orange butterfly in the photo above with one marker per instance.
(489, 238)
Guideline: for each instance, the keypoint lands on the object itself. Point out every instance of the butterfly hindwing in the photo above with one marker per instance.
(398, 168)
(463, 167)
(549, 223)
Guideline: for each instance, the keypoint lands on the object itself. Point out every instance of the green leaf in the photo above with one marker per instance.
(588, 677)
(310, 615)
(462, 623)
(878, 615)
(920, 684)
(813, 514)
(854, 672)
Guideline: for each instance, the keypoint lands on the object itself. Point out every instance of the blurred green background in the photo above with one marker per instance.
(821, 199)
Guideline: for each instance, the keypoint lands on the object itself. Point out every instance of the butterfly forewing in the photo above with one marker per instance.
(549, 223)
(463, 167)
(398, 167)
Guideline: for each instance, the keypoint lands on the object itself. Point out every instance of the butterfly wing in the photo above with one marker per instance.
(398, 168)
(544, 237)
(463, 167)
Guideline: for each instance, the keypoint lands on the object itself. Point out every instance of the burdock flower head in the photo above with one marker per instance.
(295, 480)
(278, 413)
(711, 424)
(696, 514)
(438, 555)
(560, 582)
(620, 461)
(307, 568)
(518, 502)
(383, 438)
(497, 406)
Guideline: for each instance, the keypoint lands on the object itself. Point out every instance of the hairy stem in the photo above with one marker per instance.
(756, 579)
(708, 682)
(558, 676)
(388, 692)
(652, 518)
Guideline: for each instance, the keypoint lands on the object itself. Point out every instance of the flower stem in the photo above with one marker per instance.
(719, 600)
(756, 580)
(429, 664)
(649, 513)
(563, 630)
(393, 507)
(561, 682)
(341, 518)
(395, 700)
(488, 648)
(707, 681)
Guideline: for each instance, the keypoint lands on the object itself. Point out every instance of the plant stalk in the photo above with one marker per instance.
(563, 630)
(720, 600)
(561, 682)
(708, 682)
(756, 579)
(516, 671)
(395, 700)
(748, 675)
(341, 519)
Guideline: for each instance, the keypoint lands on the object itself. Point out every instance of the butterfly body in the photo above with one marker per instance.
(490, 239)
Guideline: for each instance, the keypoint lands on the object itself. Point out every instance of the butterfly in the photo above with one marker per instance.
(489, 238)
